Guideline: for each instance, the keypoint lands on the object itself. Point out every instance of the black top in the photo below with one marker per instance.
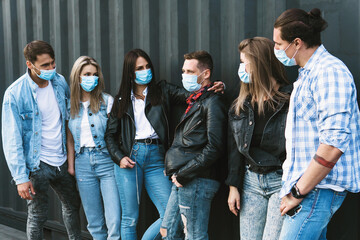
(260, 122)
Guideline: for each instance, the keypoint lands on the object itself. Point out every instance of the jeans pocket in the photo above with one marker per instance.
(294, 211)
(211, 190)
(34, 173)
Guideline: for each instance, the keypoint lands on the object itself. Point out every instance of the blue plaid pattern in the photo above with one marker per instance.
(324, 110)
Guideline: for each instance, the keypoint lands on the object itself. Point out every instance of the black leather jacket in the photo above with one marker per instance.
(270, 153)
(120, 133)
(199, 140)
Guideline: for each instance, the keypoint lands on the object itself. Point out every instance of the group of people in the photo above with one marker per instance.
(293, 150)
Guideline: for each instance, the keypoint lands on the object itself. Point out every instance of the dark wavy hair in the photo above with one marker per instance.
(296, 23)
(123, 97)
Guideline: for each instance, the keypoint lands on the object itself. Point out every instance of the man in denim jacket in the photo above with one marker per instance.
(34, 140)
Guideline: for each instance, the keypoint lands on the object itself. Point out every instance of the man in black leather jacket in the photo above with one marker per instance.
(197, 147)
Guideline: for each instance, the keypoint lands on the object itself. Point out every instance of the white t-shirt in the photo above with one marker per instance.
(52, 151)
(86, 138)
(143, 127)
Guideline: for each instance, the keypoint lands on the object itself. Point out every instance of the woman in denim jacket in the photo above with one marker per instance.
(257, 140)
(94, 169)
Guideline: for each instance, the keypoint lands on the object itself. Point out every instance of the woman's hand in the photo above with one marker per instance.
(126, 162)
(71, 170)
(234, 200)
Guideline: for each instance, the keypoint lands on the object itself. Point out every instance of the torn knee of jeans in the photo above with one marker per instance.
(183, 207)
(130, 222)
(184, 220)
(163, 232)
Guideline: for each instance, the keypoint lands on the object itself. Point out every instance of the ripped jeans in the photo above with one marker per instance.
(188, 210)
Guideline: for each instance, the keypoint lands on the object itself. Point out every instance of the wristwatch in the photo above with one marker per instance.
(296, 193)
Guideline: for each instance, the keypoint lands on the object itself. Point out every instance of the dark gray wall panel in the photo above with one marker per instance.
(166, 29)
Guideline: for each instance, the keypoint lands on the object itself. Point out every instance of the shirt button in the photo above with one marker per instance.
(99, 146)
(92, 125)
(35, 151)
(250, 123)
(36, 133)
(90, 114)
(95, 136)
(37, 113)
(245, 145)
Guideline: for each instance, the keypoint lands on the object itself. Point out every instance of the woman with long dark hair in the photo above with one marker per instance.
(137, 137)
(257, 140)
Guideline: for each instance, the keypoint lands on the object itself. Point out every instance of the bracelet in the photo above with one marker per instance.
(323, 162)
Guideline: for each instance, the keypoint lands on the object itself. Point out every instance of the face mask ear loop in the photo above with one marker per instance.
(204, 78)
(288, 46)
(295, 53)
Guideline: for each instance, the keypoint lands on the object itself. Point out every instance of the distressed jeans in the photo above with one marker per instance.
(65, 187)
(316, 211)
(148, 170)
(260, 216)
(188, 210)
(94, 171)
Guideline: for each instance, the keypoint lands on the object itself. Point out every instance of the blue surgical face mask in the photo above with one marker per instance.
(243, 75)
(46, 74)
(88, 83)
(190, 82)
(143, 77)
(283, 58)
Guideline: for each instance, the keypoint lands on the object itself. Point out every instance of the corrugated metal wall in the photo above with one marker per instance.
(166, 29)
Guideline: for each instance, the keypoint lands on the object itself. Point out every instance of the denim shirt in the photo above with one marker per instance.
(21, 124)
(97, 122)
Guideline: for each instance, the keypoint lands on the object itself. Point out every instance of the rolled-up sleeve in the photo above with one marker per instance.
(333, 93)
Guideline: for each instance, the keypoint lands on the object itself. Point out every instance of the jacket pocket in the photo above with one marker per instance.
(27, 119)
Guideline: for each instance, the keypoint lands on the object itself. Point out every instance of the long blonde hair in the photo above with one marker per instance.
(75, 88)
(264, 67)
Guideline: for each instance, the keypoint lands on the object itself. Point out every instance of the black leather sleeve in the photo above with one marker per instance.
(175, 93)
(236, 162)
(216, 121)
(112, 139)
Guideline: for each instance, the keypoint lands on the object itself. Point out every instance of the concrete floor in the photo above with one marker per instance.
(7, 233)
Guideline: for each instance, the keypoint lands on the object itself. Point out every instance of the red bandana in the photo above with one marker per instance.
(193, 97)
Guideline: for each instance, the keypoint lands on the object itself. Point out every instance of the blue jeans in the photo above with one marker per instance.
(148, 170)
(311, 221)
(94, 171)
(188, 209)
(65, 187)
(260, 216)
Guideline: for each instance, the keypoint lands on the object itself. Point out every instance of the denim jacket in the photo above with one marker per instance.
(21, 124)
(97, 124)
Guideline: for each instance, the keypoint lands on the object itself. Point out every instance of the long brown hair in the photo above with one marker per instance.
(75, 88)
(264, 67)
(122, 99)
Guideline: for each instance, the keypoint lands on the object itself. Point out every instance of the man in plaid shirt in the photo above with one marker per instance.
(322, 131)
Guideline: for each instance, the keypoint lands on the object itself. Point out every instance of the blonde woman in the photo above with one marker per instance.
(88, 156)
(257, 140)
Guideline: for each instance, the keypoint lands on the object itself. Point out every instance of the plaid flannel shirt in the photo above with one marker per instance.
(324, 110)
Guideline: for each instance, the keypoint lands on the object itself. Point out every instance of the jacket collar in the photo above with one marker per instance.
(196, 106)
